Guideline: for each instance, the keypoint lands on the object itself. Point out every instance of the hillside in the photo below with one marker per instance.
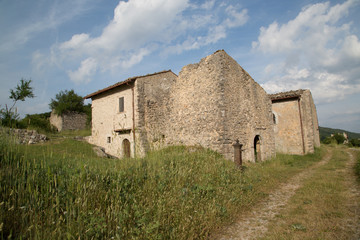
(326, 132)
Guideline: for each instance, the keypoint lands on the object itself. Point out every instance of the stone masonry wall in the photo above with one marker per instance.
(152, 112)
(74, 121)
(248, 113)
(296, 129)
(215, 102)
(68, 121)
(287, 128)
(56, 121)
(310, 122)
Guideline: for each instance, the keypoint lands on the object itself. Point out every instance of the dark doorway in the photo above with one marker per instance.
(126, 147)
(257, 151)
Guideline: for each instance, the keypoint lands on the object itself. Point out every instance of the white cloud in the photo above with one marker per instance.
(236, 19)
(85, 71)
(50, 18)
(316, 50)
(140, 27)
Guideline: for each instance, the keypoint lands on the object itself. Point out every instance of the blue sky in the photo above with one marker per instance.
(87, 45)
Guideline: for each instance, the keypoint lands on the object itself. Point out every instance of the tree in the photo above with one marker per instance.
(67, 101)
(21, 92)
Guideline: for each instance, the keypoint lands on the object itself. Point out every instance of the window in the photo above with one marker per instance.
(121, 104)
(108, 139)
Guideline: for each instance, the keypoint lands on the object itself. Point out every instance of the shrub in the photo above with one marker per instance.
(355, 142)
(36, 121)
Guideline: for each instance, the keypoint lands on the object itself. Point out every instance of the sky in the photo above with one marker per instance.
(87, 45)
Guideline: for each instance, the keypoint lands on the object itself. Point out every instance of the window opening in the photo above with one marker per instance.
(121, 104)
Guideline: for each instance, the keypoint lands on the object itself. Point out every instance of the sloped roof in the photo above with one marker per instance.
(286, 95)
(129, 80)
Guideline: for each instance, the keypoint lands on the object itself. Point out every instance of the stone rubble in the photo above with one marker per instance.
(24, 136)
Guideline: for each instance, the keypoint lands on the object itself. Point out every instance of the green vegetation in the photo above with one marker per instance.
(326, 132)
(355, 142)
(337, 138)
(8, 115)
(62, 190)
(67, 101)
(39, 122)
(319, 209)
(357, 166)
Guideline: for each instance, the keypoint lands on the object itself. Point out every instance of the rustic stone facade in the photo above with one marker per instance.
(211, 104)
(136, 128)
(296, 125)
(68, 121)
(215, 102)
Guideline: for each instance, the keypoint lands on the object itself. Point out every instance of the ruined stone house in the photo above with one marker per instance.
(68, 121)
(211, 104)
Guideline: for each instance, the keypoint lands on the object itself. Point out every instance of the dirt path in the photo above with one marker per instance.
(253, 225)
(352, 222)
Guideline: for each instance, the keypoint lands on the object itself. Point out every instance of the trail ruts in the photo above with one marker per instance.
(252, 225)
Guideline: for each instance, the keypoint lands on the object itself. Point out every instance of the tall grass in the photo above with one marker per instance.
(357, 164)
(62, 191)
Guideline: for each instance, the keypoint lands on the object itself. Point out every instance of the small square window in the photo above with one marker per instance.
(108, 139)
(121, 104)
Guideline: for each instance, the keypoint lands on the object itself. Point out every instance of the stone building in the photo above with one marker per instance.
(68, 121)
(296, 125)
(212, 104)
(129, 116)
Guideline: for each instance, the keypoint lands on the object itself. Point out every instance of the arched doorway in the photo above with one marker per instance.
(257, 152)
(126, 148)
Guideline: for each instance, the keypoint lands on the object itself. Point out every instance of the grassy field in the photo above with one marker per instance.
(61, 190)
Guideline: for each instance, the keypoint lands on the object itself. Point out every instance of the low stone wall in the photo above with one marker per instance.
(24, 136)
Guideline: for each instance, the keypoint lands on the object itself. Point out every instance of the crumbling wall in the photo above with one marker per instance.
(152, 107)
(215, 102)
(68, 121)
(74, 121)
(56, 121)
(310, 122)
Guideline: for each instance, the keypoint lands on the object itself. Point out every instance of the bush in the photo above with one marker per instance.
(337, 138)
(36, 121)
(355, 142)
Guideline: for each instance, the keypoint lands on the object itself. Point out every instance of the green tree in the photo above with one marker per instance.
(67, 101)
(339, 138)
(20, 93)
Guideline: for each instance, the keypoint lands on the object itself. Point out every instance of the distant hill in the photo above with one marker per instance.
(326, 132)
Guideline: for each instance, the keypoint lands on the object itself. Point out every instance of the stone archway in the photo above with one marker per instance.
(126, 148)
(257, 148)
